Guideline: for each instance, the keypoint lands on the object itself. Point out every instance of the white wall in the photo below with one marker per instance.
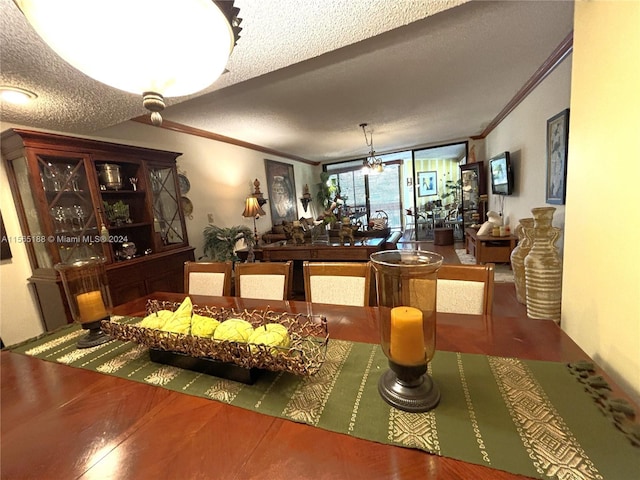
(601, 293)
(524, 135)
(221, 177)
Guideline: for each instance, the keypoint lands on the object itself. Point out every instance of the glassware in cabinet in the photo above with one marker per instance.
(474, 189)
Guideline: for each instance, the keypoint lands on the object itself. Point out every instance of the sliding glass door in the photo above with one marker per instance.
(370, 195)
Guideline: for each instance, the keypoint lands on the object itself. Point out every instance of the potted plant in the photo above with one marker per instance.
(328, 193)
(220, 242)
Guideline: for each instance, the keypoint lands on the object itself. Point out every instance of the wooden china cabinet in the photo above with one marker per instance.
(78, 198)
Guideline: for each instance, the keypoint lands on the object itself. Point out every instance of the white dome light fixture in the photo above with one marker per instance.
(154, 48)
(15, 95)
(371, 163)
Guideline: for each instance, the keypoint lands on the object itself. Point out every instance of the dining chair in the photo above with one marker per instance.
(207, 278)
(263, 280)
(337, 283)
(465, 289)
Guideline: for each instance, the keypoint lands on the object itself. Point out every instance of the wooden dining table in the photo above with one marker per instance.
(60, 422)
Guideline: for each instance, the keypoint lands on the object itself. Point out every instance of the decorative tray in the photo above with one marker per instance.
(304, 355)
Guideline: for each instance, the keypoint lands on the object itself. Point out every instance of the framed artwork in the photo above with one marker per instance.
(427, 184)
(557, 149)
(281, 187)
(5, 249)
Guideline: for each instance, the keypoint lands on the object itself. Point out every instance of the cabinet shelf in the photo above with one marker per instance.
(116, 193)
(127, 226)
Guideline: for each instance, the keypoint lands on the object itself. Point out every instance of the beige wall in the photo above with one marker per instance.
(524, 135)
(601, 294)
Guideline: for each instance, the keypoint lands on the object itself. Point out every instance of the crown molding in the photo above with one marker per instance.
(181, 128)
(556, 57)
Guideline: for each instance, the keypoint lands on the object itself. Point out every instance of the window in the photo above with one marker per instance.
(369, 195)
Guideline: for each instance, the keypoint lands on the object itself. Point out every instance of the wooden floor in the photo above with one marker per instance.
(504, 298)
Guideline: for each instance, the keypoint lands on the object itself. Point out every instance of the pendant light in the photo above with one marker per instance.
(371, 163)
(154, 48)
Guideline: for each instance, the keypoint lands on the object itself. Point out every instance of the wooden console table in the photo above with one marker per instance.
(487, 248)
(278, 252)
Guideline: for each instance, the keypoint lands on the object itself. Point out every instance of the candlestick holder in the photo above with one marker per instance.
(406, 282)
(87, 290)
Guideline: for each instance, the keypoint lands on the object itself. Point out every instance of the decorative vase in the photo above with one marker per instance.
(543, 268)
(524, 232)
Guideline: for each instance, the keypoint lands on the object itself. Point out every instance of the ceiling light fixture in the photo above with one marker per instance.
(15, 95)
(154, 48)
(371, 163)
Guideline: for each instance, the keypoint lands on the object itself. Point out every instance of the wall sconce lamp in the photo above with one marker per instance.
(258, 194)
(306, 197)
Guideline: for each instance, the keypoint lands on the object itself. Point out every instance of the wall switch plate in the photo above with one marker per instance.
(210, 217)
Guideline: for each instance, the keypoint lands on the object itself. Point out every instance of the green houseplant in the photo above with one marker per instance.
(328, 191)
(220, 242)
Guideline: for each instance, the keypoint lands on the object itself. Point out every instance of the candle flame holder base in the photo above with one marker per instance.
(95, 336)
(409, 388)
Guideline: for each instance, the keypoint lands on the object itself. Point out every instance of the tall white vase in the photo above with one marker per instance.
(543, 268)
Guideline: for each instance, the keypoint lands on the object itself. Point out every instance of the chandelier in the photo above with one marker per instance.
(371, 163)
(153, 48)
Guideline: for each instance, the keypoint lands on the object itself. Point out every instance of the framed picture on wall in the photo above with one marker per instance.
(5, 249)
(557, 149)
(281, 187)
(427, 184)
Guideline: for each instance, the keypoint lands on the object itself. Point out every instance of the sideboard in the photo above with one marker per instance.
(487, 248)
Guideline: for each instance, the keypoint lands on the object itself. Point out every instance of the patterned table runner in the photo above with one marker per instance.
(527, 417)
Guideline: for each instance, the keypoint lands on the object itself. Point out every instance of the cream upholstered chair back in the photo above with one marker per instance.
(264, 280)
(465, 289)
(207, 278)
(338, 283)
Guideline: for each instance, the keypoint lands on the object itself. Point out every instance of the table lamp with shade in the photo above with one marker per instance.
(87, 290)
(252, 209)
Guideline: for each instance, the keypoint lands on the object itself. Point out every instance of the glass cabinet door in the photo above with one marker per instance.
(70, 207)
(68, 231)
(168, 223)
(473, 188)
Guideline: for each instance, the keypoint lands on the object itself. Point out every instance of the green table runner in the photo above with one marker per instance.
(526, 417)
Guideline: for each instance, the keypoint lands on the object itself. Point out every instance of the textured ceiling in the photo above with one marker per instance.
(305, 73)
